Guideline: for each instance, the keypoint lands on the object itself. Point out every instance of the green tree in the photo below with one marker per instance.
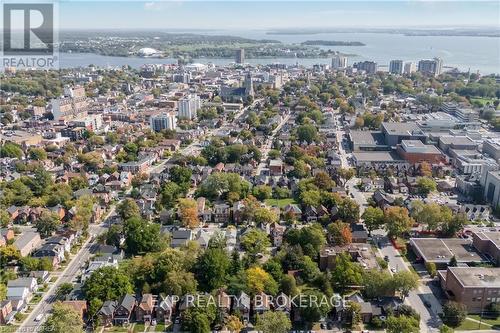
(255, 241)
(373, 218)
(311, 239)
(38, 154)
(289, 285)
(314, 311)
(262, 192)
(47, 223)
(107, 283)
(454, 313)
(263, 215)
(141, 236)
(4, 219)
(63, 319)
(212, 269)
(273, 322)
(11, 150)
(128, 209)
(402, 324)
(346, 272)
(405, 281)
(451, 227)
(63, 290)
(426, 185)
(307, 133)
(397, 221)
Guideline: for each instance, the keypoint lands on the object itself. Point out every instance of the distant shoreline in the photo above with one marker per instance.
(332, 43)
(410, 33)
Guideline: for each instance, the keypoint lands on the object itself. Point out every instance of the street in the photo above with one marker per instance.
(429, 319)
(67, 275)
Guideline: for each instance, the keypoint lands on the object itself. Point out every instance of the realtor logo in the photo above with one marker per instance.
(28, 29)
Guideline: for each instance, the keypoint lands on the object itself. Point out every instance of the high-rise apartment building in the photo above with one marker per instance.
(409, 67)
(369, 67)
(188, 106)
(240, 56)
(163, 121)
(339, 61)
(431, 66)
(396, 67)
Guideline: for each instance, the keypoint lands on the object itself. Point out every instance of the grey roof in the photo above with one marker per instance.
(25, 238)
(108, 308)
(182, 234)
(128, 302)
(402, 129)
(367, 137)
(243, 301)
(21, 282)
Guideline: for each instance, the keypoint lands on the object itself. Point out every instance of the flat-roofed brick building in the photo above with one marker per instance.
(476, 287)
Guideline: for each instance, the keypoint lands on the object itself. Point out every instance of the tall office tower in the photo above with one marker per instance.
(409, 67)
(163, 121)
(431, 66)
(188, 106)
(339, 61)
(396, 67)
(240, 56)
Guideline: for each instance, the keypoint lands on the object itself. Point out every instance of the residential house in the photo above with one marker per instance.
(124, 310)
(27, 242)
(283, 303)
(144, 310)
(181, 237)
(106, 313)
(7, 235)
(53, 252)
(6, 312)
(26, 282)
(261, 303)
(223, 303)
(242, 306)
(165, 309)
(222, 213)
(277, 232)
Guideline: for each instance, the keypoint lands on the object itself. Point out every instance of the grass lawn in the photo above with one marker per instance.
(279, 202)
(160, 327)
(118, 329)
(472, 325)
(495, 322)
(482, 100)
(36, 299)
(53, 279)
(139, 327)
(8, 328)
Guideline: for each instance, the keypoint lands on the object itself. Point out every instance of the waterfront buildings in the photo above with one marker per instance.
(240, 56)
(431, 66)
(396, 67)
(339, 61)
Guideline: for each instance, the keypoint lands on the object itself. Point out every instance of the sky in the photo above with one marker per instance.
(248, 15)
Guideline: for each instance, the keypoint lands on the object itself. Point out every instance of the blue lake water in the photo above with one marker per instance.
(475, 53)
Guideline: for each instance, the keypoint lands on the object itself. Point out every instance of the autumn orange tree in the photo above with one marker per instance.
(339, 233)
(188, 212)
